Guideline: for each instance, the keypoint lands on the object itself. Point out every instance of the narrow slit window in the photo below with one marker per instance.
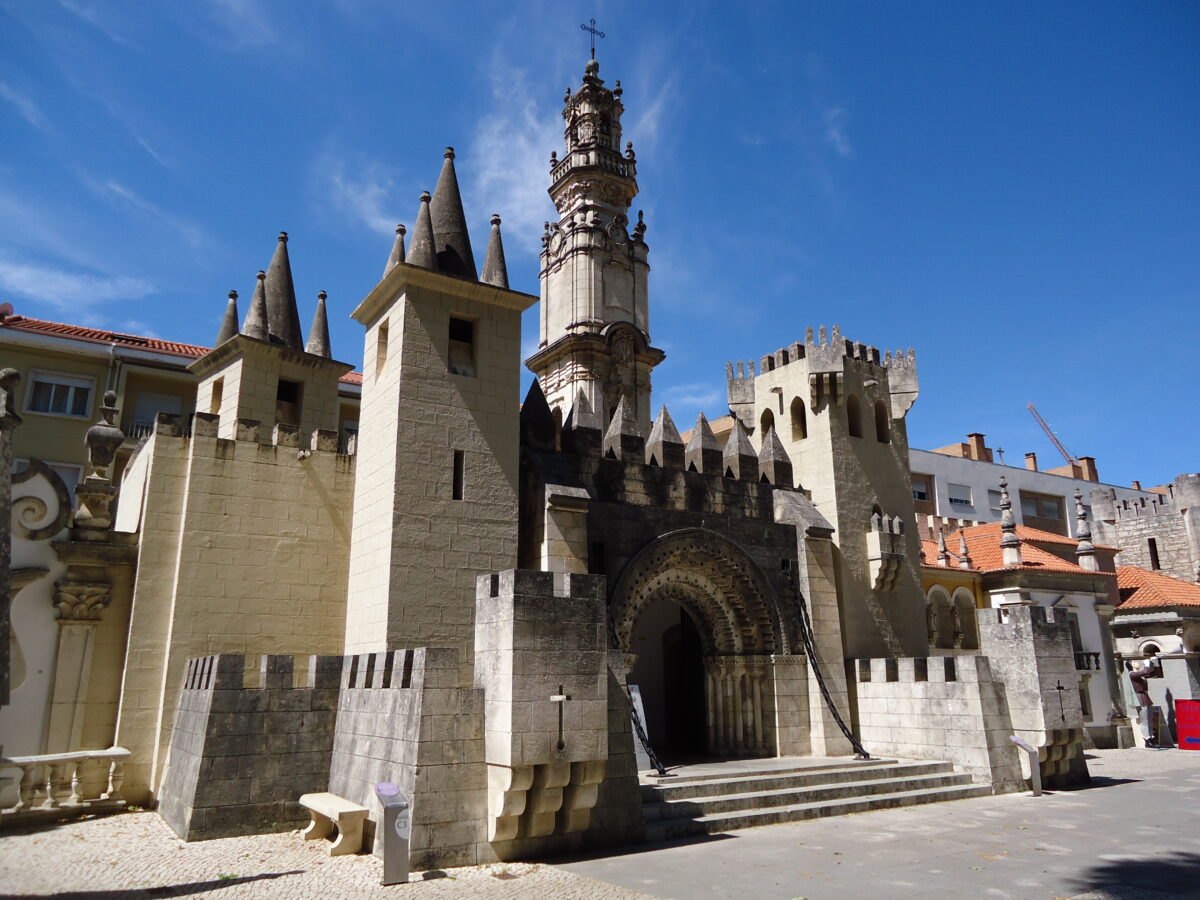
(218, 391)
(381, 349)
(1152, 546)
(288, 402)
(459, 474)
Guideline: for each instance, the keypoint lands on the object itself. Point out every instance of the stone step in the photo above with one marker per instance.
(771, 780)
(699, 807)
(667, 829)
(799, 768)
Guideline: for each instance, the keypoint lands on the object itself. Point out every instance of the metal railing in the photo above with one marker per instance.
(59, 784)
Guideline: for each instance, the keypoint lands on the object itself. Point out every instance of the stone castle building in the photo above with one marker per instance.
(489, 603)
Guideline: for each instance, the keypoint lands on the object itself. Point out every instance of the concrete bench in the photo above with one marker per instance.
(328, 810)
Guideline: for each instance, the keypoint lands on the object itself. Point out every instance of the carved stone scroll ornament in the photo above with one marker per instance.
(34, 519)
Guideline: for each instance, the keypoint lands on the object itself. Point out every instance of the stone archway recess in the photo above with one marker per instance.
(746, 637)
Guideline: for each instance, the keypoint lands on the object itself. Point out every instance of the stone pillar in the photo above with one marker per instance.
(564, 548)
(789, 675)
(8, 421)
(1121, 726)
(79, 608)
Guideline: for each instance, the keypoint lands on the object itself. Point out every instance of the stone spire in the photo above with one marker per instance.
(774, 462)
(318, 332)
(1010, 544)
(494, 270)
(423, 252)
(964, 552)
(739, 459)
(255, 325)
(537, 421)
(943, 556)
(397, 254)
(624, 440)
(1085, 553)
(664, 447)
(229, 324)
(703, 453)
(450, 235)
(283, 317)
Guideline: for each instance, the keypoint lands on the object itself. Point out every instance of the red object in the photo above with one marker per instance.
(1187, 724)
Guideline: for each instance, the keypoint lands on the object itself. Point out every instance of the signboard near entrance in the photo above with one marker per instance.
(1187, 724)
(643, 759)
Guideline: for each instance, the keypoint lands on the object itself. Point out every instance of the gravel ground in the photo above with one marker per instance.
(135, 855)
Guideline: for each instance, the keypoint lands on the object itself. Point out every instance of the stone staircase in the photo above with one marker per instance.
(748, 796)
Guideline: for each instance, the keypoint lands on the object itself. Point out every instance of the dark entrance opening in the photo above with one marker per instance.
(669, 673)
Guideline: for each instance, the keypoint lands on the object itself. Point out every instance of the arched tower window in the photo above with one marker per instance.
(766, 422)
(799, 420)
(854, 416)
(883, 429)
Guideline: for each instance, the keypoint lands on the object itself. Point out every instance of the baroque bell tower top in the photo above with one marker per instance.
(595, 319)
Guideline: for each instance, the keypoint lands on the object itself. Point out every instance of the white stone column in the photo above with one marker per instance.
(79, 606)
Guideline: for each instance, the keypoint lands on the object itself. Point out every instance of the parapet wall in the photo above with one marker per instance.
(939, 708)
(247, 743)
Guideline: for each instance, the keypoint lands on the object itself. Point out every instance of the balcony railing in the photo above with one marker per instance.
(1086, 661)
(54, 785)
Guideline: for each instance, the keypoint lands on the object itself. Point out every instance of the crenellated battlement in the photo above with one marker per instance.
(532, 583)
(207, 425)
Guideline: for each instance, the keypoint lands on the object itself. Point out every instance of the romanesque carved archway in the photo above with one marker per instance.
(742, 629)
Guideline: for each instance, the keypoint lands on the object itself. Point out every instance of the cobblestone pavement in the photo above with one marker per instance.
(135, 856)
(1136, 836)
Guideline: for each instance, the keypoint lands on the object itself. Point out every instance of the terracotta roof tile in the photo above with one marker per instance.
(99, 336)
(1142, 589)
(983, 545)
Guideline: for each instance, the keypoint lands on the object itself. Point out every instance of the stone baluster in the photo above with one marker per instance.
(29, 786)
(116, 775)
(58, 784)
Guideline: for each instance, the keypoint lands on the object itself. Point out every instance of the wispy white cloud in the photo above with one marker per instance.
(699, 394)
(509, 158)
(363, 193)
(836, 119)
(246, 23)
(24, 105)
(96, 19)
(67, 290)
(124, 197)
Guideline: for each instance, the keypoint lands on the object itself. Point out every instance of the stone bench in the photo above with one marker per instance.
(328, 810)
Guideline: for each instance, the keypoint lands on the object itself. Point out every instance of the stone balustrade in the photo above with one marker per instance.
(1086, 661)
(59, 784)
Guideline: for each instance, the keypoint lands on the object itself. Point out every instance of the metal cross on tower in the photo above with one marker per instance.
(595, 34)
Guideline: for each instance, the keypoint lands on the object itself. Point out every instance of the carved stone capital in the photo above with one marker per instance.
(79, 601)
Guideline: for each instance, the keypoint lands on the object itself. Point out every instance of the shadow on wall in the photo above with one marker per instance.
(1167, 875)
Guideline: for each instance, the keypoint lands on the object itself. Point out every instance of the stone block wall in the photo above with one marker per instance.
(1172, 521)
(243, 548)
(944, 708)
(1031, 652)
(402, 717)
(247, 744)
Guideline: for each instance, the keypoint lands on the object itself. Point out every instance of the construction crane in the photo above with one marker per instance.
(1066, 454)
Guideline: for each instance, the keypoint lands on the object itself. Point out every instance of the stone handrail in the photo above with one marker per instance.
(59, 784)
(1086, 661)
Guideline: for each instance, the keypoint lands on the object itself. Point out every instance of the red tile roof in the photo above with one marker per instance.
(99, 336)
(1142, 589)
(983, 545)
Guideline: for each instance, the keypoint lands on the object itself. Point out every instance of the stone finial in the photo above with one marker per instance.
(774, 462)
(1085, 552)
(537, 421)
(9, 378)
(581, 431)
(703, 453)
(1010, 544)
(283, 316)
(739, 459)
(624, 440)
(397, 255)
(639, 230)
(423, 252)
(255, 325)
(664, 447)
(103, 438)
(943, 555)
(229, 324)
(964, 552)
(451, 240)
(318, 332)
(494, 269)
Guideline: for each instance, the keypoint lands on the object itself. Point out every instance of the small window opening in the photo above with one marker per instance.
(596, 561)
(218, 391)
(459, 474)
(287, 402)
(1152, 546)
(799, 420)
(883, 431)
(854, 416)
(381, 348)
(462, 347)
(766, 423)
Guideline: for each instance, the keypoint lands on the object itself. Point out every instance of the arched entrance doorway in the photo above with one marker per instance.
(702, 627)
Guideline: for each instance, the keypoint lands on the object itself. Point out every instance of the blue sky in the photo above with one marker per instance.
(1012, 189)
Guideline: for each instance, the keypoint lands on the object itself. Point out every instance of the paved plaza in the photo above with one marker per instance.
(1134, 836)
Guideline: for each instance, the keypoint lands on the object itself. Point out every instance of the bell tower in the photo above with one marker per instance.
(595, 322)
